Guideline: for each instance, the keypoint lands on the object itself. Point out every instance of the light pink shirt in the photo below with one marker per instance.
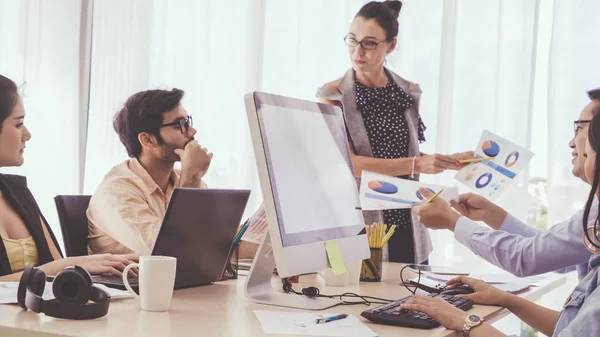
(127, 209)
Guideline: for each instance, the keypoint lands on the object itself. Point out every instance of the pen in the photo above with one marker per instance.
(242, 232)
(434, 196)
(330, 319)
(238, 237)
(474, 160)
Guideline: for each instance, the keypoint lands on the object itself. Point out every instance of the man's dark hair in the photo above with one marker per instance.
(143, 112)
(9, 96)
(594, 94)
(385, 13)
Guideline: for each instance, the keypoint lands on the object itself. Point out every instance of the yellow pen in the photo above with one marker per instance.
(434, 196)
(474, 160)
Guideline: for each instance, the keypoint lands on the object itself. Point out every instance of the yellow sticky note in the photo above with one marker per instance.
(335, 257)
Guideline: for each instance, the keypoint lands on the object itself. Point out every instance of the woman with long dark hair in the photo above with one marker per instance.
(25, 237)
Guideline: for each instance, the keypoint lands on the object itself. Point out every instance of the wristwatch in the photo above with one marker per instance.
(471, 322)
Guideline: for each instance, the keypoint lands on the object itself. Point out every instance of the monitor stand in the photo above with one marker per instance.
(259, 289)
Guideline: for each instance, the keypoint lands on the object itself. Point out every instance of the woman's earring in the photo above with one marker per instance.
(594, 247)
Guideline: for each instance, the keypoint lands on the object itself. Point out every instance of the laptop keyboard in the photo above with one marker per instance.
(387, 314)
(115, 281)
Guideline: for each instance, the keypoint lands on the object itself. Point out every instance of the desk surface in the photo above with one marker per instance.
(222, 309)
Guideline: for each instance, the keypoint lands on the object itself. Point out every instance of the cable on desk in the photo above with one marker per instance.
(314, 292)
(407, 285)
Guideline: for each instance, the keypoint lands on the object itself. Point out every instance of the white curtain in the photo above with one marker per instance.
(39, 50)
(216, 52)
(573, 68)
(474, 61)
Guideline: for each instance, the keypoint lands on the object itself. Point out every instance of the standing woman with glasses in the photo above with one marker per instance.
(385, 129)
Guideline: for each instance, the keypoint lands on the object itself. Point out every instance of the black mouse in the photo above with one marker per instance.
(459, 290)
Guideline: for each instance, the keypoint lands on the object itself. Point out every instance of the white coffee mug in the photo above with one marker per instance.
(156, 279)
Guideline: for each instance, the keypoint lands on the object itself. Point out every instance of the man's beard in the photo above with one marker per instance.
(167, 153)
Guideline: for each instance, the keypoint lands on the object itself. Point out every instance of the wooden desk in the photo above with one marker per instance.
(222, 309)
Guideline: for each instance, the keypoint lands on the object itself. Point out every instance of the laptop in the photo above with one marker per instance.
(198, 229)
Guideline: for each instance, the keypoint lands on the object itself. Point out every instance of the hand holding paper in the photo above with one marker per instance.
(436, 213)
(478, 208)
(436, 163)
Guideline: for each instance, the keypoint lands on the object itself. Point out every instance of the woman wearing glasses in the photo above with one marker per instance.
(25, 237)
(384, 127)
(126, 211)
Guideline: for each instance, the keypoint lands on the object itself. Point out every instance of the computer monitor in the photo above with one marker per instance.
(309, 190)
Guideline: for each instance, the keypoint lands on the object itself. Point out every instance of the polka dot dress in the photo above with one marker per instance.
(383, 112)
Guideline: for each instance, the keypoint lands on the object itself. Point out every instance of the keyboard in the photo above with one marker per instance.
(387, 314)
(115, 281)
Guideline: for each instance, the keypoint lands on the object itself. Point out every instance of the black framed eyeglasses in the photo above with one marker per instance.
(182, 124)
(577, 124)
(365, 44)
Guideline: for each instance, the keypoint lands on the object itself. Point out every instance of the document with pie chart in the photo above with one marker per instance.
(380, 191)
(490, 177)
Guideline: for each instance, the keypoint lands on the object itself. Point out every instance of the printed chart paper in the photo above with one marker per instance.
(380, 191)
(490, 177)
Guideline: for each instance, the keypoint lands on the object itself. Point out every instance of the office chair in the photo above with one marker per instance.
(73, 222)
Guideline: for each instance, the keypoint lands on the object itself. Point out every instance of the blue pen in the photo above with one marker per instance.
(330, 319)
(238, 236)
(242, 231)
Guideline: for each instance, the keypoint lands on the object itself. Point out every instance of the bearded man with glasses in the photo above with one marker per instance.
(126, 211)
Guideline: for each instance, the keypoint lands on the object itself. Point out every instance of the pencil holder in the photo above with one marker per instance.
(372, 267)
(231, 268)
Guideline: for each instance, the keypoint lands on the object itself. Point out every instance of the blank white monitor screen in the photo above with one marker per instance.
(308, 160)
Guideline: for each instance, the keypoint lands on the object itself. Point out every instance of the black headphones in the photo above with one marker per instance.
(72, 288)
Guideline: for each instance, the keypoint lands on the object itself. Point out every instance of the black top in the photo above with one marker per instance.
(383, 111)
(15, 191)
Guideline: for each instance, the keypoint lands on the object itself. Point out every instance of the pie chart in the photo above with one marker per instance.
(511, 159)
(420, 196)
(490, 148)
(483, 180)
(382, 187)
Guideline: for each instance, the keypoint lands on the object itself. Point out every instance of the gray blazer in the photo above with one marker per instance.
(346, 95)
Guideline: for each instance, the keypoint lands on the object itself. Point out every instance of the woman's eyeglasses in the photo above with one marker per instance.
(182, 124)
(365, 44)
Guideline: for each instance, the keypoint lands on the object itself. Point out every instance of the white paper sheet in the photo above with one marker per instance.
(492, 278)
(508, 278)
(257, 226)
(380, 191)
(489, 178)
(303, 323)
(523, 284)
(8, 292)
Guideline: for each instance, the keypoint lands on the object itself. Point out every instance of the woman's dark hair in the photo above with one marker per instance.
(385, 13)
(143, 112)
(594, 139)
(9, 96)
